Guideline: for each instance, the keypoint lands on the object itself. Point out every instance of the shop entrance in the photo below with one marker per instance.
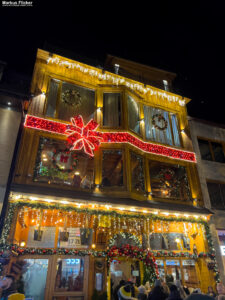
(122, 269)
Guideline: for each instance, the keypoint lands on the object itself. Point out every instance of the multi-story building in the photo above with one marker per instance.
(105, 182)
(209, 144)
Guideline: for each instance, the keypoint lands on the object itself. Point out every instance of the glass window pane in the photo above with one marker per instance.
(157, 125)
(137, 173)
(190, 275)
(70, 275)
(58, 165)
(76, 100)
(175, 129)
(112, 168)
(34, 278)
(133, 115)
(169, 181)
(111, 110)
(52, 98)
(204, 149)
(218, 152)
(215, 195)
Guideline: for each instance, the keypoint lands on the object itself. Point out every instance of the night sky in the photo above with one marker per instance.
(187, 39)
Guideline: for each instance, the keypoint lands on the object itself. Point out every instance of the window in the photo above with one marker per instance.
(137, 173)
(216, 194)
(70, 275)
(112, 109)
(211, 151)
(169, 181)
(112, 168)
(169, 241)
(133, 115)
(58, 165)
(161, 126)
(66, 100)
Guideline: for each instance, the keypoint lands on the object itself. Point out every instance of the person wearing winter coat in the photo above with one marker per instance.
(158, 292)
(174, 293)
(142, 293)
(180, 289)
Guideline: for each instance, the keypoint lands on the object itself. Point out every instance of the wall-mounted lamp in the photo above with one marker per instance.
(99, 109)
(182, 131)
(43, 93)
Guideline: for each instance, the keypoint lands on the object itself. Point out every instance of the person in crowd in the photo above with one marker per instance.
(180, 289)
(8, 286)
(211, 292)
(197, 295)
(147, 287)
(186, 289)
(125, 292)
(116, 290)
(169, 280)
(157, 292)
(142, 293)
(174, 293)
(165, 288)
(134, 289)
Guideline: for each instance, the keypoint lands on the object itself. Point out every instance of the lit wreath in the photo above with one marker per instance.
(65, 152)
(160, 118)
(125, 236)
(71, 98)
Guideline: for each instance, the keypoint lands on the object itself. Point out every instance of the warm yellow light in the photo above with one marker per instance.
(132, 209)
(60, 220)
(186, 216)
(45, 159)
(48, 200)
(79, 205)
(166, 213)
(93, 246)
(108, 206)
(77, 173)
(177, 215)
(177, 240)
(22, 244)
(33, 198)
(196, 217)
(64, 202)
(32, 221)
(121, 208)
(145, 211)
(18, 197)
(205, 217)
(155, 213)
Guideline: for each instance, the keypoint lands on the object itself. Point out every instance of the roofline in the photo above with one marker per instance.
(206, 122)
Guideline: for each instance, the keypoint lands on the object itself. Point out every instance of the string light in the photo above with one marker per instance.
(117, 80)
(91, 140)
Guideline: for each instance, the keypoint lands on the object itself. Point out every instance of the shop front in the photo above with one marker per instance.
(77, 250)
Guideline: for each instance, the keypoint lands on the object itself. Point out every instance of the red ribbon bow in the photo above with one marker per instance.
(83, 136)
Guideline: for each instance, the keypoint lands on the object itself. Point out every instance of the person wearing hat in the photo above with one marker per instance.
(125, 292)
(142, 293)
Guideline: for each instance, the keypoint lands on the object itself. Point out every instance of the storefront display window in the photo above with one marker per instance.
(173, 268)
(169, 241)
(133, 115)
(111, 109)
(160, 264)
(70, 275)
(65, 100)
(58, 165)
(137, 173)
(169, 181)
(35, 269)
(158, 128)
(189, 272)
(112, 168)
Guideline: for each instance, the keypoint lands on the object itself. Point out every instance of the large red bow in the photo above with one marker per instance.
(83, 136)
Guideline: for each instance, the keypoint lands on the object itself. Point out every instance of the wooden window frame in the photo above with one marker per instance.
(210, 147)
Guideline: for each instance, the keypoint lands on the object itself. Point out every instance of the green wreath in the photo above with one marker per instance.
(71, 97)
(66, 151)
(159, 117)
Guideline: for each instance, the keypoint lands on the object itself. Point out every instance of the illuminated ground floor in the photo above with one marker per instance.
(70, 250)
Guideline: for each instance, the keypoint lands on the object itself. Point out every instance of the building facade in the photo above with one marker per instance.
(106, 186)
(209, 144)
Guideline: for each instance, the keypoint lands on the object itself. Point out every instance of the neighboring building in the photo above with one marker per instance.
(125, 189)
(209, 144)
(14, 90)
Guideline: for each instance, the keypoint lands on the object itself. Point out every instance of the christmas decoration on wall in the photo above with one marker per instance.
(124, 238)
(87, 138)
(62, 157)
(117, 80)
(159, 122)
(71, 97)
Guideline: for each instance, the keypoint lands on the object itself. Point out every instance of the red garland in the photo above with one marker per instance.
(89, 139)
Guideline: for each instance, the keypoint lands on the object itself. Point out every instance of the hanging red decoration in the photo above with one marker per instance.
(86, 137)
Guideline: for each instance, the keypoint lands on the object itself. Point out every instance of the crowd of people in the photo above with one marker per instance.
(169, 290)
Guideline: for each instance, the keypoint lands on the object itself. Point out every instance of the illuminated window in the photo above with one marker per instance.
(65, 100)
(169, 181)
(137, 173)
(133, 115)
(112, 168)
(111, 110)
(56, 164)
(161, 126)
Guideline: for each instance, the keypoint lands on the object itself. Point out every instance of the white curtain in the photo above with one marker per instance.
(133, 115)
(151, 132)
(111, 110)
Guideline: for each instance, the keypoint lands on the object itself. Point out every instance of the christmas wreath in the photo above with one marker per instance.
(61, 157)
(124, 238)
(159, 118)
(71, 97)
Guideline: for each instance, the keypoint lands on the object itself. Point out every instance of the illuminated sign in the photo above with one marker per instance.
(71, 261)
(222, 248)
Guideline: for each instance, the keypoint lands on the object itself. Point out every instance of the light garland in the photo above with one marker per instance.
(116, 80)
(86, 137)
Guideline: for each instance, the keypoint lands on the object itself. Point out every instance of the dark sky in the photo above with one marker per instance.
(185, 38)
